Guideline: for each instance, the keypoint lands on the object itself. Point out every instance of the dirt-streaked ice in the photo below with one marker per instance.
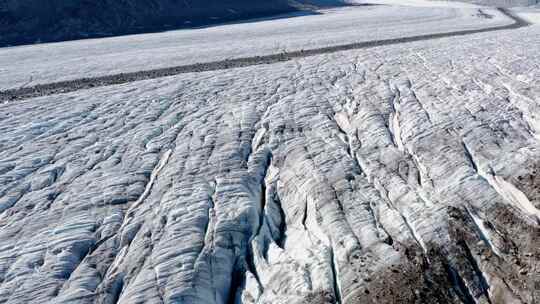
(396, 174)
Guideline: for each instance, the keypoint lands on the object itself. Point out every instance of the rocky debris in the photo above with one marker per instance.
(399, 174)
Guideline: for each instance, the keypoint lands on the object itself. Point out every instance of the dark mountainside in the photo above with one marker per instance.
(31, 21)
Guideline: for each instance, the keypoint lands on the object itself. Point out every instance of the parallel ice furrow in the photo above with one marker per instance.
(513, 195)
(528, 107)
(485, 233)
(162, 162)
(509, 192)
(385, 175)
(394, 124)
(335, 275)
(416, 235)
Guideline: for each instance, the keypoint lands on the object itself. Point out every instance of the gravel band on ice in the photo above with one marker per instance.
(86, 83)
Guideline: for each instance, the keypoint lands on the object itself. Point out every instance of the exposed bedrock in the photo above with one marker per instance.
(394, 175)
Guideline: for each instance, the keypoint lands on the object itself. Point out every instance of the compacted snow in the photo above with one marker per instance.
(396, 174)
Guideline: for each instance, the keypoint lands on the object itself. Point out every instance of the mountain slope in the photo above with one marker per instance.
(29, 21)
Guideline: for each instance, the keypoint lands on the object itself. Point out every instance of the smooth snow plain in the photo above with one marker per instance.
(46, 63)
